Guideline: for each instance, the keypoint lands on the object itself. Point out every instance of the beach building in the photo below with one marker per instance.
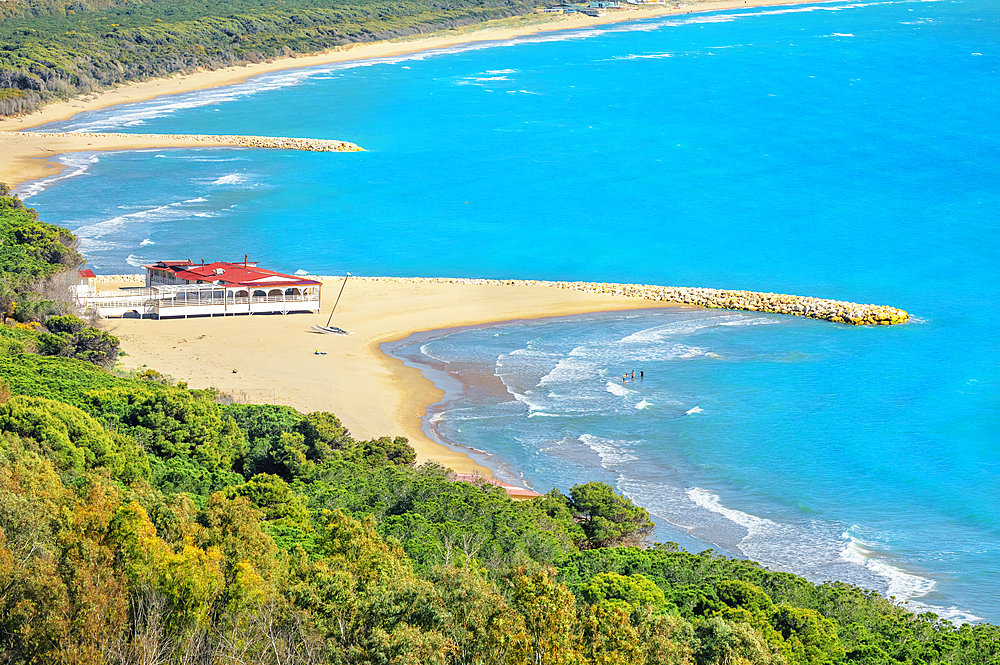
(185, 288)
(88, 280)
(605, 4)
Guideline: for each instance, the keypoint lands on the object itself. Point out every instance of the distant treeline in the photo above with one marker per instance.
(144, 522)
(54, 49)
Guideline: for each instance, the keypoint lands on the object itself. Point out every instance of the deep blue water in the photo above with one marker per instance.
(844, 150)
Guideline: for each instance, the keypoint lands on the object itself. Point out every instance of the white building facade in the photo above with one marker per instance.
(183, 289)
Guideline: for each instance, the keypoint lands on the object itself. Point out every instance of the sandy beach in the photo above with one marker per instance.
(266, 359)
(273, 358)
(27, 158)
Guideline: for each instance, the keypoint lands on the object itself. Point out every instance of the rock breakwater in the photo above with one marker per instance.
(241, 141)
(837, 311)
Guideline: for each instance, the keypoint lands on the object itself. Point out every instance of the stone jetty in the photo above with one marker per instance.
(837, 311)
(165, 140)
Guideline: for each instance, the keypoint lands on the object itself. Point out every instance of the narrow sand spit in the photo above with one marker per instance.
(25, 159)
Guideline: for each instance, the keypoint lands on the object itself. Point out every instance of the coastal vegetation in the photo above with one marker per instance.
(145, 522)
(55, 49)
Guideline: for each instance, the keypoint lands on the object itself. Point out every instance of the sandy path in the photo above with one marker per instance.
(274, 356)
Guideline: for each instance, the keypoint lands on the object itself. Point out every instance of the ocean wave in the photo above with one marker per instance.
(231, 179)
(425, 349)
(610, 451)
(145, 242)
(92, 236)
(570, 369)
(693, 410)
(642, 405)
(686, 327)
(752, 322)
(616, 388)
(819, 551)
(75, 165)
(134, 261)
(900, 584)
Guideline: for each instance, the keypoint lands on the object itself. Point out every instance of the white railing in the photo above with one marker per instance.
(155, 300)
(195, 302)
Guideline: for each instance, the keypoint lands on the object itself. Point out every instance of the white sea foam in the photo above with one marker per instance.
(134, 261)
(570, 369)
(75, 165)
(900, 584)
(644, 56)
(145, 242)
(611, 452)
(131, 115)
(616, 388)
(693, 410)
(657, 334)
(92, 237)
(200, 199)
(642, 405)
(425, 349)
(751, 322)
(231, 179)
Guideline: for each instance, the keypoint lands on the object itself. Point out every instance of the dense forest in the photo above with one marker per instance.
(54, 49)
(145, 522)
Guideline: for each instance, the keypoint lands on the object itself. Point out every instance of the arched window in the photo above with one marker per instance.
(292, 292)
(259, 294)
(274, 292)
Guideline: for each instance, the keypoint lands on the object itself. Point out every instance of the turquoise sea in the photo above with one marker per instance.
(848, 150)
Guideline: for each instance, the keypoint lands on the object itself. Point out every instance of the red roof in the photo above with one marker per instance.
(86, 273)
(230, 274)
(513, 491)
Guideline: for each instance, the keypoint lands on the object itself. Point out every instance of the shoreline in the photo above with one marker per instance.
(277, 359)
(32, 158)
(381, 395)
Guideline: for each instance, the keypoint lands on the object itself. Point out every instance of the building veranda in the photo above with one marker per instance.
(184, 288)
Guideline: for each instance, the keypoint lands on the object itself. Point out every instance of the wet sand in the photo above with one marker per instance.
(272, 358)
